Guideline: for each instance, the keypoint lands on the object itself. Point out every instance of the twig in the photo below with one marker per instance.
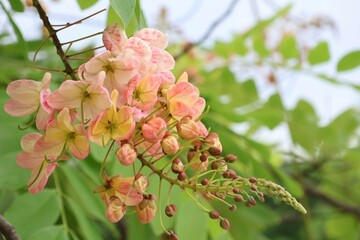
(210, 29)
(7, 230)
(332, 202)
(52, 32)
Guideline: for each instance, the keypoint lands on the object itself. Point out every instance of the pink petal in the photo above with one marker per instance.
(29, 160)
(17, 109)
(113, 37)
(153, 36)
(42, 177)
(28, 141)
(24, 91)
(141, 48)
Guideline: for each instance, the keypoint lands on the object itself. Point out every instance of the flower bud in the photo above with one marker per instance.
(141, 183)
(177, 166)
(181, 176)
(126, 154)
(225, 224)
(233, 208)
(203, 157)
(170, 210)
(204, 182)
(188, 129)
(214, 151)
(190, 155)
(170, 145)
(253, 180)
(230, 158)
(146, 210)
(154, 129)
(239, 198)
(212, 140)
(214, 214)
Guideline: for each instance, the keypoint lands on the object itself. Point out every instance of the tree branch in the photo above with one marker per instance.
(332, 202)
(210, 30)
(7, 230)
(52, 32)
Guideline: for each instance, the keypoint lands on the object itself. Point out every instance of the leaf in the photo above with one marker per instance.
(17, 5)
(137, 21)
(124, 9)
(51, 232)
(349, 61)
(288, 47)
(84, 4)
(21, 42)
(29, 212)
(12, 176)
(192, 226)
(319, 54)
(260, 46)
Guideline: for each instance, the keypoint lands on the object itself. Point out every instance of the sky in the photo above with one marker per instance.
(193, 17)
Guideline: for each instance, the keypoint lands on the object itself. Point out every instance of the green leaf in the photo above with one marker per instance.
(17, 5)
(21, 42)
(341, 226)
(191, 226)
(319, 54)
(30, 212)
(349, 61)
(137, 20)
(12, 176)
(260, 46)
(84, 4)
(288, 47)
(51, 232)
(124, 9)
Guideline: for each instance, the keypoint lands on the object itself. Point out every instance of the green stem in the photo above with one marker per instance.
(61, 203)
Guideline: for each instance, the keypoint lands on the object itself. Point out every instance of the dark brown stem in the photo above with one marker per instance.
(7, 230)
(332, 202)
(210, 30)
(52, 32)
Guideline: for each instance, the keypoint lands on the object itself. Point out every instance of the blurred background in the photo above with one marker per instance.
(282, 79)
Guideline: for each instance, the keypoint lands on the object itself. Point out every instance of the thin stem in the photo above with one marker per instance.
(101, 174)
(80, 39)
(159, 207)
(52, 33)
(81, 20)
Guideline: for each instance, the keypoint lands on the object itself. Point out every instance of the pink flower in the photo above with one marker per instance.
(126, 154)
(141, 183)
(162, 60)
(113, 37)
(115, 211)
(146, 210)
(154, 129)
(119, 69)
(36, 161)
(144, 95)
(89, 97)
(112, 124)
(28, 96)
(184, 101)
(61, 135)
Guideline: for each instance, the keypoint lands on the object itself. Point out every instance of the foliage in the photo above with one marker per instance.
(320, 168)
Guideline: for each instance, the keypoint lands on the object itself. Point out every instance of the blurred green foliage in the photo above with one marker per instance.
(321, 167)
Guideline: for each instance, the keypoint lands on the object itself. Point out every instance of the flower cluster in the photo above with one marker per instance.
(127, 98)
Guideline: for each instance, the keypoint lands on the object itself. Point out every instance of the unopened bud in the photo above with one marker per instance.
(203, 157)
(177, 166)
(233, 208)
(126, 154)
(170, 145)
(188, 129)
(214, 151)
(253, 187)
(230, 158)
(214, 214)
(212, 140)
(154, 129)
(170, 210)
(214, 165)
(236, 190)
(225, 224)
(190, 155)
(141, 183)
(239, 198)
(253, 179)
(181, 176)
(204, 182)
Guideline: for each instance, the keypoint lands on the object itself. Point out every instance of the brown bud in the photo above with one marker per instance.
(253, 180)
(252, 201)
(253, 187)
(225, 224)
(230, 158)
(214, 151)
(232, 173)
(214, 214)
(203, 157)
(236, 190)
(233, 208)
(170, 210)
(226, 174)
(214, 165)
(239, 198)
(177, 166)
(204, 182)
(181, 176)
(190, 155)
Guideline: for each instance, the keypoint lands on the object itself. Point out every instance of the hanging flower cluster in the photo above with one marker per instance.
(127, 98)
